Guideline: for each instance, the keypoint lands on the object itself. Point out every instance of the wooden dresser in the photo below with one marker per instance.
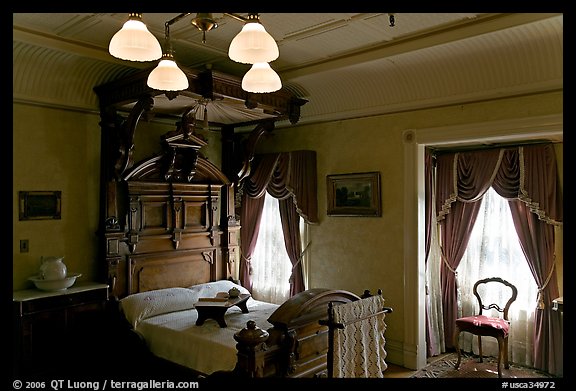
(54, 331)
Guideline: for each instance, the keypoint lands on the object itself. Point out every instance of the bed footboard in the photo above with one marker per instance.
(297, 345)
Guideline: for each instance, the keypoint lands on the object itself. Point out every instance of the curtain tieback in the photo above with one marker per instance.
(292, 277)
(445, 261)
(248, 263)
(300, 257)
(541, 304)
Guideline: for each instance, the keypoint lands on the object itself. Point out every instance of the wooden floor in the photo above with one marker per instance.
(397, 371)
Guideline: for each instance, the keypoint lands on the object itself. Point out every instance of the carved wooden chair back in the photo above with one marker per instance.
(492, 319)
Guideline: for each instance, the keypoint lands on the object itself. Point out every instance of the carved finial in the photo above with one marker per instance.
(251, 334)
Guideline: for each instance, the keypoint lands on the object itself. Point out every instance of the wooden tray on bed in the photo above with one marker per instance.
(216, 307)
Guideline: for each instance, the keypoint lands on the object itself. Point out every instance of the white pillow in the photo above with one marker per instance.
(210, 289)
(143, 305)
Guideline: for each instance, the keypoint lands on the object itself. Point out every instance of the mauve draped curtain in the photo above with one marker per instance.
(535, 213)
(527, 177)
(291, 178)
(462, 177)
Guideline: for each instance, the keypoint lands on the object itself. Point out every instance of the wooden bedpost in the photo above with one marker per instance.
(251, 348)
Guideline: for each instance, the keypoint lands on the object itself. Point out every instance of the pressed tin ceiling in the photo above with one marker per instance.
(346, 65)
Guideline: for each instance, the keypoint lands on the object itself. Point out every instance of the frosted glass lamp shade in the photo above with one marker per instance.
(134, 42)
(253, 44)
(261, 79)
(167, 76)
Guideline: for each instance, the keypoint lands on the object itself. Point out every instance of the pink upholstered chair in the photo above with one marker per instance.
(488, 326)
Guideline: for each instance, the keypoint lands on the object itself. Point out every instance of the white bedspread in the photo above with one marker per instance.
(207, 348)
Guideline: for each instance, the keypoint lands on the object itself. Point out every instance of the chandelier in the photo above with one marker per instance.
(252, 45)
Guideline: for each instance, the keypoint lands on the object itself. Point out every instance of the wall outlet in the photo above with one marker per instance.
(24, 246)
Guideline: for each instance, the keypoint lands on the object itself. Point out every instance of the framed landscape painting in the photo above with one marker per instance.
(355, 194)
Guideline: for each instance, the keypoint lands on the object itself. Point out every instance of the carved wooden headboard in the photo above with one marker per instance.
(171, 233)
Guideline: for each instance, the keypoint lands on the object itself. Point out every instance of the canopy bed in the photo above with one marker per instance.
(268, 340)
(169, 236)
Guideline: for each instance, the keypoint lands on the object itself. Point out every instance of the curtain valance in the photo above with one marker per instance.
(527, 173)
(284, 175)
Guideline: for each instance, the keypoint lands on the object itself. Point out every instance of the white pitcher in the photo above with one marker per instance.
(53, 268)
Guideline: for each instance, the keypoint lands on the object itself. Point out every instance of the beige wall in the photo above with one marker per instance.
(56, 149)
(357, 253)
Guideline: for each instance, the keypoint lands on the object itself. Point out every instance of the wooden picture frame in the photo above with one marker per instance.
(355, 194)
(39, 205)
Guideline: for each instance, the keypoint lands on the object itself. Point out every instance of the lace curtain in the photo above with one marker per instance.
(494, 251)
(434, 318)
(271, 265)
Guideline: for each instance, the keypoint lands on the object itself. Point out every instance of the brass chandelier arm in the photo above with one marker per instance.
(231, 15)
(167, 30)
(238, 17)
(167, 24)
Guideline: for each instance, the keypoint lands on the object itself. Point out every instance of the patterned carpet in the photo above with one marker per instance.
(471, 368)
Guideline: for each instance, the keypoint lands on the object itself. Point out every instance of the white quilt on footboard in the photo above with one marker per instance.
(207, 348)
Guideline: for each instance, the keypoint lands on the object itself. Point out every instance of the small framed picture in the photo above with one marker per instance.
(40, 205)
(354, 194)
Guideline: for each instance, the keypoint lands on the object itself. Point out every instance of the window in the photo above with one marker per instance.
(494, 251)
(270, 263)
